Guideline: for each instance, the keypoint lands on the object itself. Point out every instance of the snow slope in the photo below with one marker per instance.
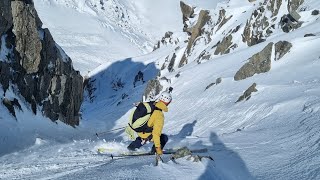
(273, 135)
(109, 30)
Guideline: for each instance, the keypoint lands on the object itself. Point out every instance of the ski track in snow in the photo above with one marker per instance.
(72, 162)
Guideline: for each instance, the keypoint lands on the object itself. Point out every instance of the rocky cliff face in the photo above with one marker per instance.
(227, 29)
(34, 66)
(261, 25)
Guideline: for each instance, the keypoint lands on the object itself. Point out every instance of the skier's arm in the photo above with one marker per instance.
(157, 128)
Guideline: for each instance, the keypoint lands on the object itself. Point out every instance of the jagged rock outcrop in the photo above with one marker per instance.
(290, 22)
(183, 60)
(11, 105)
(315, 12)
(255, 27)
(187, 12)
(281, 48)
(39, 68)
(258, 63)
(5, 16)
(153, 88)
(218, 81)
(167, 39)
(196, 30)
(247, 94)
(274, 6)
(225, 46)
(222, 20)
(261, 25)
(204, 55)
(172, 61)
(5, 75)
(28, 44)
(137, 78)
(293, 5)
(204, 17)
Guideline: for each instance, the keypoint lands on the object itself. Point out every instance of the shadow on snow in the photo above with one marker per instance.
(227, 163)
(113, 91)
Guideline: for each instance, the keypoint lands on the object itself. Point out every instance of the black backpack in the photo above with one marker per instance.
(139, 118)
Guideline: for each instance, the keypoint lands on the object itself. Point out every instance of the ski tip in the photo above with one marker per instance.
(101, 150)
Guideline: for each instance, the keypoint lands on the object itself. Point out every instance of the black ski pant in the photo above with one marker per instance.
(136, 144)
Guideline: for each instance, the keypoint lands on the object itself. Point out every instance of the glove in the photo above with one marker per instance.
(159, 151)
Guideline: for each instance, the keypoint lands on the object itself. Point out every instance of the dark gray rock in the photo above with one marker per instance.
(38, 68)
(258, 63)
(293, 5)
(261, 25)
(65, 84)
(28, 43)
(218, 81)
(89, 86)
(4, 75)
(296, 16)
(164, 65)
(167, 39)
(153, 88)
(211, 84)
(137, 78)
(168, 34)
(222, 20)
(254, 30)
(247, 94)
(288, 23)
(187, 12)
(182, 152)
(282, 48)
(5, 16)
(315, 12)
(196, 32)
(309, 35)
(11, 105)
(183, 60)
(204, 55)
(224, 46)
(172, 61)
(274, 6)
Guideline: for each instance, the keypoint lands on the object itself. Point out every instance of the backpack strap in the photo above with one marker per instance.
(140, 117)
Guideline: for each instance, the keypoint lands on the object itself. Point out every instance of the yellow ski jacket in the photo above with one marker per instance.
(156, 122)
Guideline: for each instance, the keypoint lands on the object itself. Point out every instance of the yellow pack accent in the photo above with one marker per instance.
(141, 121)
(130, 132)
(101, 150)
(148, 107)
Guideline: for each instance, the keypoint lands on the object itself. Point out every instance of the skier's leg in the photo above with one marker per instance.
(163, 141)
(135, 144)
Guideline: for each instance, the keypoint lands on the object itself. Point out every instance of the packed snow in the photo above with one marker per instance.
(273, 135)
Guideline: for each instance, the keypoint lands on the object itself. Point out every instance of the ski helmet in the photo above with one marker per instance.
(165, 97)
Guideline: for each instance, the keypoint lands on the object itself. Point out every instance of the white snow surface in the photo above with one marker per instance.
(273, 135)
(94, 32)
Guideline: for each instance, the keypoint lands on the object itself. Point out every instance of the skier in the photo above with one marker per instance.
(153, 129)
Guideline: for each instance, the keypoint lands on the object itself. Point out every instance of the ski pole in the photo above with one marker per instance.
(106, 132)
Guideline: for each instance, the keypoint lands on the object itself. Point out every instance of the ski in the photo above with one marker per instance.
(165, 151)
